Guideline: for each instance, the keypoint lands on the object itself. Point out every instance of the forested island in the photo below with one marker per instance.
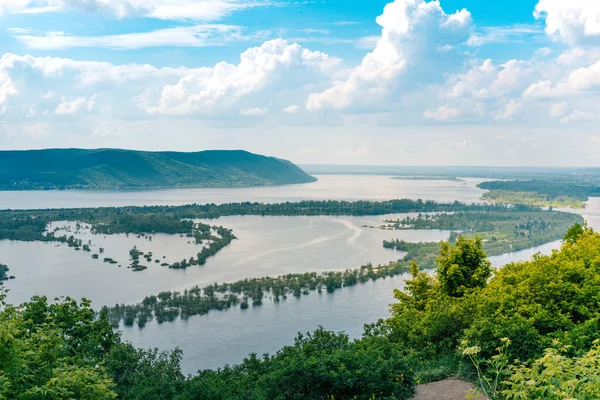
(30, 225)
(500, 232)
(168, 306)
(122, 169)
(532, 198)
(529, 330)
(558, 192)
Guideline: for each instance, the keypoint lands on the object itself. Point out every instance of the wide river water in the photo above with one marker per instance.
(328, 187)
(267, 246)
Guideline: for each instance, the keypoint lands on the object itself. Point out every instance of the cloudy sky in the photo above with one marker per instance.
(406, 82)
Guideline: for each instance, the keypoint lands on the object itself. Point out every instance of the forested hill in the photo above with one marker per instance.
(119, 169)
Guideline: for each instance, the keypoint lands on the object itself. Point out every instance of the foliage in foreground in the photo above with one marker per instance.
(532, 305)
(556, 376)
(61, 351)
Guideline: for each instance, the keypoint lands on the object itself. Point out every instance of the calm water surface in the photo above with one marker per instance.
(266, 246)
(328, 187)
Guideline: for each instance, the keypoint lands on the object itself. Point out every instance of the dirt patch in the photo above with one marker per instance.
(448, 389)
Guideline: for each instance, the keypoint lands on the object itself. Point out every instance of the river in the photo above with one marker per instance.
(328, 187)
(267, 246)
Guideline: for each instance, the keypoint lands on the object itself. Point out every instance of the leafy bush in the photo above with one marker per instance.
(64, 351)
(555, 376)
(530, 304)
(51, 351)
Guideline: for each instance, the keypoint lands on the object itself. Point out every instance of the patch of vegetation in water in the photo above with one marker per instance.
(4, 273)
(168, 306)
(533, 199)
(565, 191)
(501, 232)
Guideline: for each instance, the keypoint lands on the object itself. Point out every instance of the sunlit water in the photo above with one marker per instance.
(267, 246)
(328, 187)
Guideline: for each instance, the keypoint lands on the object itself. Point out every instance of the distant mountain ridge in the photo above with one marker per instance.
(122, 169)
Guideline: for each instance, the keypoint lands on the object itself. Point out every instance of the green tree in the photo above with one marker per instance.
(574, 233)
(51, 351)
(462, 267)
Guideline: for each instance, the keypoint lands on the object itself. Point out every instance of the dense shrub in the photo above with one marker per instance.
(533, 305)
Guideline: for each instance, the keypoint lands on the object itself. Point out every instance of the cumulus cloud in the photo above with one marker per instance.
(443, 113)
(293, 109)
(511, 109)
(412, 31)
(7, 86)
(63, 87)
(207, 10)
(70, 107)
(570, 21)
(206, 89)
(576, 82)
(80, 72)
(580, 116)
(558, 110)
(486, 81)
(61, 84)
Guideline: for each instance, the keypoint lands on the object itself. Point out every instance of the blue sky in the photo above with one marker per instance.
(464, 82)
(333, 26)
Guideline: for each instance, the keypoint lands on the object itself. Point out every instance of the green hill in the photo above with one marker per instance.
(120, 169)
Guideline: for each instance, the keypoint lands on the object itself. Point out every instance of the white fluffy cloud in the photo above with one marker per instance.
(558, 110)
(575, 82)
(63, 87)
(443, 113)
(510, 110)
(571, 21)
(292, 109)
(262, 73)
(71, 107)
(205, 90)
(412, 31)
(208, 10)
(580, 116)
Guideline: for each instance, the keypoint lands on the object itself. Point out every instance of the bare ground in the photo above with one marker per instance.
(448, 389)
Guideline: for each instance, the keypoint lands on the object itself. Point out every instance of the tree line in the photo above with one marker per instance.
(30, 225)
(168, 306)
